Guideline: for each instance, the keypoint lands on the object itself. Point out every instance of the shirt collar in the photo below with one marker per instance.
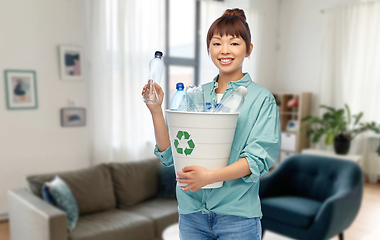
(244, 81)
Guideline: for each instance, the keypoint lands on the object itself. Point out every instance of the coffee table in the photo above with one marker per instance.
(171, 232)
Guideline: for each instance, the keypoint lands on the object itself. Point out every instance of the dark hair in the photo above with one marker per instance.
(232, 22)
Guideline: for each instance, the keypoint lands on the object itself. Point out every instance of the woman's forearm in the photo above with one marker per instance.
(236, 170)
(160, 130)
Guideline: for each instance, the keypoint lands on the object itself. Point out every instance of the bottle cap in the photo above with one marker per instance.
(158, 54)
(208, 105)
(179, 86)
(243, 90)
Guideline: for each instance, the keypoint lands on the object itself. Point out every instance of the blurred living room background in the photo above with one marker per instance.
(306, 52)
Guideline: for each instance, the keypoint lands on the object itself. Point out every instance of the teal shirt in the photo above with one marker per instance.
(257, 138)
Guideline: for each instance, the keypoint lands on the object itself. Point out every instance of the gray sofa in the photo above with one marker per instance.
(116, 201)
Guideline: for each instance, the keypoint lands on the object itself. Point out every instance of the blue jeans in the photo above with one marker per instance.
(198, 226)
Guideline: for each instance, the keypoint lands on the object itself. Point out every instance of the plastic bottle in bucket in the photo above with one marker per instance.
(156, 66)
(195, 99)
(233, 101)
(178, 102)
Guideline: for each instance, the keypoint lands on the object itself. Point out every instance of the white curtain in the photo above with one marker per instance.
(351, 65)
(122, 36)
(211, 10)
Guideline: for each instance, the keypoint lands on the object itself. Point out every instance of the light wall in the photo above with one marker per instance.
(267, 47)
(299, 47)
(32, 141)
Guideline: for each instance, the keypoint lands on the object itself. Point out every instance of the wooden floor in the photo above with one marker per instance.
(365, 227)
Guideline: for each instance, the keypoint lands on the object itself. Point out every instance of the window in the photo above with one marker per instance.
(182, 44)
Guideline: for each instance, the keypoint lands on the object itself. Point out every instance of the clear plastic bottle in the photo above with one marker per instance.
(156, 66)
(233, 100)
(195, 99)
(178, 101)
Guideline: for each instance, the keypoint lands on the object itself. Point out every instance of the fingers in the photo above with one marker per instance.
(188, 168)
(191, 188)
(190, 185)
(158, 87)
(182, 174)
(182, 180)
(144, 89)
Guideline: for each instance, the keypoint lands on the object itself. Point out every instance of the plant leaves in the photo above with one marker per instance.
(358, 117)
(348, 114)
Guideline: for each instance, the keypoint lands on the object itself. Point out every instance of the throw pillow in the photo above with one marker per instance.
(168, 183)
(46, 195)
(65, 200)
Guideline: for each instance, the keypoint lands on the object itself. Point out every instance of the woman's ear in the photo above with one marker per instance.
(250, 50)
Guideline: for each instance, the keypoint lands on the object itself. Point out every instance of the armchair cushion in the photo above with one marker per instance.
(303, 186)
(297, 211)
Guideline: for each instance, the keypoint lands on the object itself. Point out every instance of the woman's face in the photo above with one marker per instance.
(228, 53)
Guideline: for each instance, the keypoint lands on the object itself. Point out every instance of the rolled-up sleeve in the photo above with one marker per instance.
(166, 156)
(264, 142)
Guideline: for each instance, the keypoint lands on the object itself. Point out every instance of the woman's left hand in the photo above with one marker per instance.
(195, 176)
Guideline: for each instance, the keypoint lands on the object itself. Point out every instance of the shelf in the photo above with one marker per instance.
(296, 140)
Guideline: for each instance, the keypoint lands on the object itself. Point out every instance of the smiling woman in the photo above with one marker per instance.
(233, 209)
(229, 43)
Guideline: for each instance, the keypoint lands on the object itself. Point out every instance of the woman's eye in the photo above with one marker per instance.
(235, 44)
(216, 44)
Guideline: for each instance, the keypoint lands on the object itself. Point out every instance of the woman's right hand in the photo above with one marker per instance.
(154, 108)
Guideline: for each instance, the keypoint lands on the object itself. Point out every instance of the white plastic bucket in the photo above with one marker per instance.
(201, 138)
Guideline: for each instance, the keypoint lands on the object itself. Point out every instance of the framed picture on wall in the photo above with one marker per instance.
(20, 89)
(71, 61)
(73, 117)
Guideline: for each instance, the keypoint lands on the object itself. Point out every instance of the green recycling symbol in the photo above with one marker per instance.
(184, 136)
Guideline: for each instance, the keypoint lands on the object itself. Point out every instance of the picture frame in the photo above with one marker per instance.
(71, 62)
(21, 89)
(73, 117)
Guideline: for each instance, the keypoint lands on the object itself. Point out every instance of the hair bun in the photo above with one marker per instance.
(235, 12)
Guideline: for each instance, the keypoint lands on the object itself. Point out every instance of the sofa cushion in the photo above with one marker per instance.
(65, 200)
(113, 225)
(296, 211)
(163, 212)
(91, 187)
(135, 181)
(47, 197)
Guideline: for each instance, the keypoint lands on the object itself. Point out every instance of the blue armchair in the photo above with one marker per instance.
(311, 197)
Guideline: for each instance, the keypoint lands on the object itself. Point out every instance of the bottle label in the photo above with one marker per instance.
(183, 143)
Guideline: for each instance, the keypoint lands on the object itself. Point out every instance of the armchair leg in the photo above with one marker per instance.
(341, 236)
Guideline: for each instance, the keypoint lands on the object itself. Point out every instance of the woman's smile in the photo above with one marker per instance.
(225, 61)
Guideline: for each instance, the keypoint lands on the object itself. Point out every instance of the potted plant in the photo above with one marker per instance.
(338, 127)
